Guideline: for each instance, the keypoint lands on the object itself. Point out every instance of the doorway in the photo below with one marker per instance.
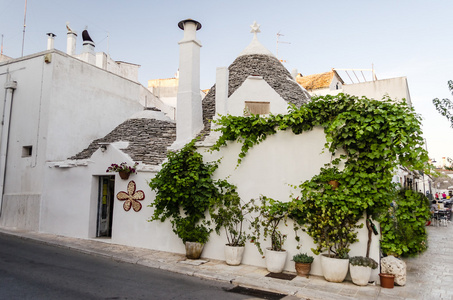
(105, 206)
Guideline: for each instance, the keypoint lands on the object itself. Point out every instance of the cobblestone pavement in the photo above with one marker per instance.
(429, 276)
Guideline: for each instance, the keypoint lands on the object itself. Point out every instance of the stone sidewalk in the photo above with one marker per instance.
(429, 276)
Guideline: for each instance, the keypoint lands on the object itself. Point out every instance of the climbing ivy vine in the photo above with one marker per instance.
(184, 191)
(403, 227)
(376, 137)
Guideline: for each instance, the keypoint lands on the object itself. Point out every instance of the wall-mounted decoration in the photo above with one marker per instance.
(131, 197)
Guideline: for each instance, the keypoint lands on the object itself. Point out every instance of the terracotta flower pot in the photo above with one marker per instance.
(124, 175)
(303, 269)
(334, 184)
(387, 280)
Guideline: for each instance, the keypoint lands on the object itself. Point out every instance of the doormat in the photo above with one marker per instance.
(284, 276)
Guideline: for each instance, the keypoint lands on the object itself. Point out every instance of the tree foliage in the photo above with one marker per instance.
(404, 226)
(269, 214)
(445, 106)
(228, 212)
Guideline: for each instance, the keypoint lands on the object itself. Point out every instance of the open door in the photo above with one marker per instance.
(105, 206)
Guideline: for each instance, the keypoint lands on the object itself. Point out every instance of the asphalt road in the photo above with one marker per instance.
(32, 270)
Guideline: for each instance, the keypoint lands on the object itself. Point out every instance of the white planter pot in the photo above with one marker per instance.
(360, 275)
(334, 269)
(275, 260)
(193, 250)
(233, 255)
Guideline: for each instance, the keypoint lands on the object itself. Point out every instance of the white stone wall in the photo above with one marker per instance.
(23, 211)
(396, 88)
(28, 123)
(86, 103)
(59, 107)
(255, 88)
(105, 62)
(269, 169)
(147, 99)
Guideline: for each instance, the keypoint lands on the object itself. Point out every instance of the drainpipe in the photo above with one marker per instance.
(10, 86)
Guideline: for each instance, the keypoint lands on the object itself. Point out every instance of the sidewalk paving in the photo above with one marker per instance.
(429, 276)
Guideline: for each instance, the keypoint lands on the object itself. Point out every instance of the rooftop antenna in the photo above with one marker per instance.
(25, 18)
(280, 42)
(374, 73)
(1, 51)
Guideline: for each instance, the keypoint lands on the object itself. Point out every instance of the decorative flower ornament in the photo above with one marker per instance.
(122, 167)
(132, 197)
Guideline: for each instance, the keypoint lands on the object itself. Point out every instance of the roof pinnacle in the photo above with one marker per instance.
(255, 28)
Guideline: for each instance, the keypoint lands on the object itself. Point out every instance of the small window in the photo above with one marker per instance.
(256, 108)
(27, 151)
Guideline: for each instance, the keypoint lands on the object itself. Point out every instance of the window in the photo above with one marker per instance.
(27, 151)
(256, 108)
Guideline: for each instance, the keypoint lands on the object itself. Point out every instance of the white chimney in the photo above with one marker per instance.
(88, 44)
(221, 91)
(71, 40)
(189, 114)
(294, 74)
(50, 41)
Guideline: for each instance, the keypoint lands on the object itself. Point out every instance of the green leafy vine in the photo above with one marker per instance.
(184, 191)
(376, 137)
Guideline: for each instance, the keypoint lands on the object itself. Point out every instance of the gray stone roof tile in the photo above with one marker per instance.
(148, 140)
(272, 71)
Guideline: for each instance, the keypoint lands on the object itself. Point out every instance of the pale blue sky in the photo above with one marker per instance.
(400, 37)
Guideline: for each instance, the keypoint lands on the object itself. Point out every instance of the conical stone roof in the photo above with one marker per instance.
(256, 60)
(148, 139)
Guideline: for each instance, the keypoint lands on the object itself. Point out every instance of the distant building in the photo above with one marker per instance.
(323, 83)
(166, 89)
(330, 83)
(4, 58)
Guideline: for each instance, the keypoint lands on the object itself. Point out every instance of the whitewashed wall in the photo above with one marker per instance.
(268, 169)
(397, 88)
(60, 105)
(87, 103)
(23, 178)
(256, 89)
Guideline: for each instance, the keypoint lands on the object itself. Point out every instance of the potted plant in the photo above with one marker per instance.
(360, 269)
(269, 213)
(194, 236)
(332, 174)
(123, 169)
(228, 212)
(387, 280)
(303, 263)
(331, 220)
(185, 199)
